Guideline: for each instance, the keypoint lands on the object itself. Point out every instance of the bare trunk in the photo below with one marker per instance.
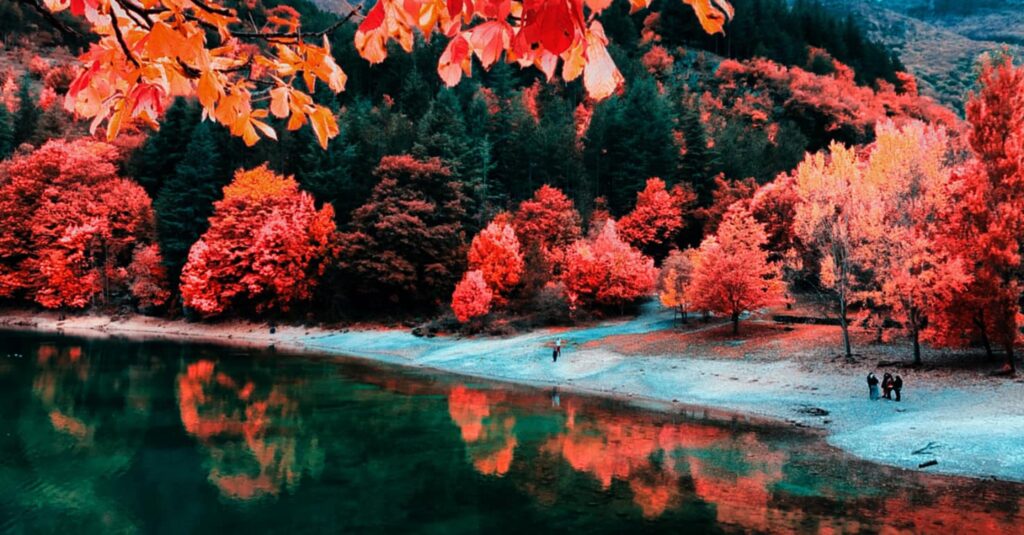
(915, 334)
(917, 345)
(979, 322)
(735, 323)
(846, 329)
(1010, 358)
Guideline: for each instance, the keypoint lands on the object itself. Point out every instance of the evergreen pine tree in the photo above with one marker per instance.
(28, 113)
(185, 201)
(441, 132)
(159, 155)
(6, 132)
(695, 166)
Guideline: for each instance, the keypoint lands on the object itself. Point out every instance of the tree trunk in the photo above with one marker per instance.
(1010, 358)
(735, 323)
(979, 322)
(917, 344)
(846, 330)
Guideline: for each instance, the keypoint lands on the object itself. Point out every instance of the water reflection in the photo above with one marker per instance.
(251, 430)
(750, 484)
(120, 436)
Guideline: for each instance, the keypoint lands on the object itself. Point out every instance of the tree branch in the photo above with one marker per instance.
(68, 32)
(300, 35)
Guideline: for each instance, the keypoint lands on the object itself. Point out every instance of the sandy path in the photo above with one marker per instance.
(975, 428)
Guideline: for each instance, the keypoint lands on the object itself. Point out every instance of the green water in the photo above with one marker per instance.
(124, 436)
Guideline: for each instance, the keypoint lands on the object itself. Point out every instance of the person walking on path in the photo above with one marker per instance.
(887, 386)
(554, 354)
(558, 346)
(872, 386)
(897, 385)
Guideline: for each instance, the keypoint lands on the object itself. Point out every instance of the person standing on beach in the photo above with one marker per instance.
(554, 354)
(887, 386)
(897, 385)
(558, 346)
(872, 386)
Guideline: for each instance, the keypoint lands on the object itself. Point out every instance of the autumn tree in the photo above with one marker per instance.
(674, 279)
(406, 244)
(72, 228)
(987, 222)
(731, 272)
(495, 253)
(908, 184)
(725, 194)
(606, 271)
(657, 218)
(546, 225)
(263, 251)
(825, 220)
(472, 297)
(179, 48)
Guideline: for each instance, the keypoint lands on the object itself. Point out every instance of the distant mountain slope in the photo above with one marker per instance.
(339, 7)
(939, 41)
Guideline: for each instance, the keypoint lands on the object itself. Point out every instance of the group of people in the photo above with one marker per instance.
(890, 384)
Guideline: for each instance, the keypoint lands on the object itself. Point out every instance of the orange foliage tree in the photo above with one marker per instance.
(155, 49)
(675, 276)
(907, 187)
(606, 271)
(72, 229)
(987, 216)
(495, 252)
(472, 297)
(731, 272)
(264, 248)
(657, 218)
(825, 220)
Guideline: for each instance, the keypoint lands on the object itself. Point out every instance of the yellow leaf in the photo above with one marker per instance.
(600, 76)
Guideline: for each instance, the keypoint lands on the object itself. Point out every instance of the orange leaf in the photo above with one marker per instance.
(712, 13)
(324, 125)
(279, 101)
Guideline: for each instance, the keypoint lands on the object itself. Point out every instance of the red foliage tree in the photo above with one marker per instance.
(264, 248)
(829, 107)
(495, 252)
(987, 217)
(71, 226)
(148, 277)
(606, 271)
(657, 218)
(472, 297)
(725, 194)
(546, 225)
(731, 272)
(406, 245)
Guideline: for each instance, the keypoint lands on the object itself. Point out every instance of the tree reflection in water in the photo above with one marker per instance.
(119, 436)
(253, 433)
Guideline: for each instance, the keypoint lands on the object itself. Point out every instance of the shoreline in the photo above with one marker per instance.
(974, 425)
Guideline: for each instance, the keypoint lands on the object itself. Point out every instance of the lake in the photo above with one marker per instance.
(123, 436)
